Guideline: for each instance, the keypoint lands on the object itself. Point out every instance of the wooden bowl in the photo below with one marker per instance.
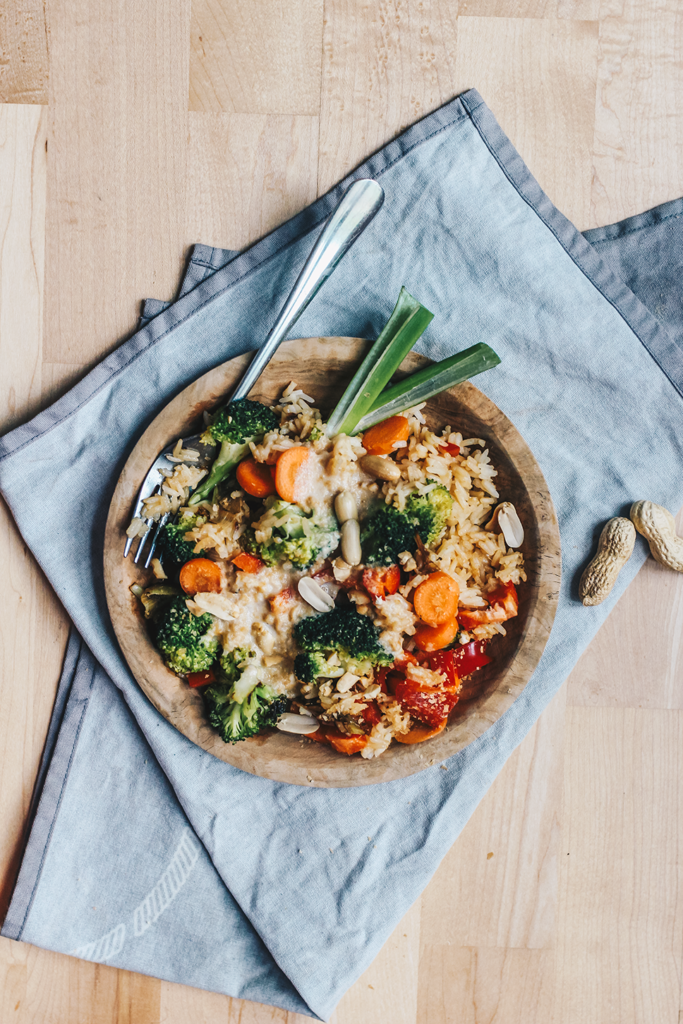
(322, 367)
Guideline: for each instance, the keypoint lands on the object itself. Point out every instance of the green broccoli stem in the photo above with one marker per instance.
(405, 325)
(229, 457)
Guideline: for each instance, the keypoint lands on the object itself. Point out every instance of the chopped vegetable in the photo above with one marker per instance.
(248, 562)
(287, 469)
(430, 381)
(429, 704)
(436, 599)
(201, 576)
(419, 733)
(353, 636)
(469, 657)
(435, 638)
(195, 679)
(382, 582)
(343, 744)
(188, 642)
(503, 605)
(234, 426)
(380, 439)
(405, 325)
(255, 478)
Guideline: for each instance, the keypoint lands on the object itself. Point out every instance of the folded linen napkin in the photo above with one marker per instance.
(146, 852)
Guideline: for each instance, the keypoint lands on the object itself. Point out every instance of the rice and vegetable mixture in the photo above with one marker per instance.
(334, 587)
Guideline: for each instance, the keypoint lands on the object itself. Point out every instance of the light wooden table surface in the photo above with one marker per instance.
(130, 130)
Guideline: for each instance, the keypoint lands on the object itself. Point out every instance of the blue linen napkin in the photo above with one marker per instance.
(149, 854)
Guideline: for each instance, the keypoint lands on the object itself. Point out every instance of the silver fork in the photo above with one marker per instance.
(357, 207)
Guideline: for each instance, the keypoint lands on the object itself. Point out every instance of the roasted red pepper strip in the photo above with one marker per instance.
(371, 714)
(201, 678)
(444, 663)
(451, 449)
(427, 703)
(382, 582)
(469, 657)
(503, 605)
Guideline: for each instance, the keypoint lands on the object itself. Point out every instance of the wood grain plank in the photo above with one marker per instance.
(507, 854)
(118, 139)
(23, 52)
(538, 76)
(247, 173)
(576, 10)
(620, 938)
(385, 65)
(387, 992)
(23, 163)
(622, 667)
(32, 629)
(485, 986)
(256, 56)
(638, 145)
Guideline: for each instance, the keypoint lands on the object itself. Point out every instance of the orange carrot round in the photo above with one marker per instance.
(435, 638)
(419, 733)
(287, 470)
(379, 440)
(255, 478)
(436, 599)
(343, 744)
(201, 576)
(248, 562)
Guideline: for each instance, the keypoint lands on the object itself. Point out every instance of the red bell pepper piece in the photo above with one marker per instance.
(427, 703)
(469, 657)
(451, 449)
(444, 663)
(195, 679)
(382, 582)
(371, 714)
(503, 605)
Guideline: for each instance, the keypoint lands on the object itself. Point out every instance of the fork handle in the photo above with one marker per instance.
(358, 206)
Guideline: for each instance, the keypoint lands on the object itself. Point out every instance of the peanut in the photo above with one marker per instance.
(614, 550)
(658, 527)
(383, 469)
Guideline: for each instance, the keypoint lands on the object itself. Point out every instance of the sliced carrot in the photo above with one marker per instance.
(435, 638)
(436, 599)
(382, 582)
(343, 744)
(255, 478)
(419, 733)
(247, 562)
(287, 470)
(379, 440)
(201, 576)
(504, 605)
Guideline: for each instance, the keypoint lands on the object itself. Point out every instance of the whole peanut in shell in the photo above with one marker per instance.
(614, 550)
(658, 527)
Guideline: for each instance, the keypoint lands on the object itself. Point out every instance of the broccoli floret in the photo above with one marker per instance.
(187, 641)
(234, 426)
(391, 531)
(387, 534)
(242, 421)
(237, 675)
(309, 665)
(431, 512)
(173, 550)
(353, 636)
(237, 721)
(295, 535)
